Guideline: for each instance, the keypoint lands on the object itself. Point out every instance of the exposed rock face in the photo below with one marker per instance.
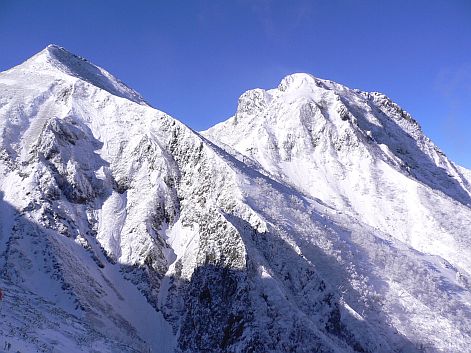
(317, 219)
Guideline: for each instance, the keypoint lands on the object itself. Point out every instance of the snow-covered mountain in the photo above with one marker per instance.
(359, 153)
(317, 219)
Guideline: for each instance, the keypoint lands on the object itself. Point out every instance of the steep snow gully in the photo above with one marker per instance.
(317, 219)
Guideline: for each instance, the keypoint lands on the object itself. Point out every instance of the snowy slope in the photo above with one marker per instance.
(123, 230)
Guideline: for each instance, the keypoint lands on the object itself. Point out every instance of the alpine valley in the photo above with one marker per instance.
(318, 218)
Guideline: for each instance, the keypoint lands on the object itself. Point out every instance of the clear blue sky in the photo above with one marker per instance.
(193, 59)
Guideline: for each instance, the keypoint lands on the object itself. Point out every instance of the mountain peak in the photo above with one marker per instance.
(297, 80)
(55, 58)
(303, 81)
(52, 49)
(56, 52)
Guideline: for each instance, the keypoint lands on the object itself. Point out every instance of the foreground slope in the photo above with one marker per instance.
(126, 231)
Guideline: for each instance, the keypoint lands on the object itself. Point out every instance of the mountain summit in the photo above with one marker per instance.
(316, 219)
(57, 61)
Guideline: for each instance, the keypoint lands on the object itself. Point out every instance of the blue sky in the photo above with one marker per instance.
(193, 59)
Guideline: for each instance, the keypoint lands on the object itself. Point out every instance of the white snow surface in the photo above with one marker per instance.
(316, 218)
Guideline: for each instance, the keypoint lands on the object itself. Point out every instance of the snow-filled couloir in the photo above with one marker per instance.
(317, 219)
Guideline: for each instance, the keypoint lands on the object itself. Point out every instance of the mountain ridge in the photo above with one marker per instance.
(148, 236)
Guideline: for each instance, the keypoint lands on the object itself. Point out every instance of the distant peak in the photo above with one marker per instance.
(51, 54)
(297, 80)
(299, 76)
(59, 52)
(55, 57)
(54, 47)
(303, 80)
(72, 62)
